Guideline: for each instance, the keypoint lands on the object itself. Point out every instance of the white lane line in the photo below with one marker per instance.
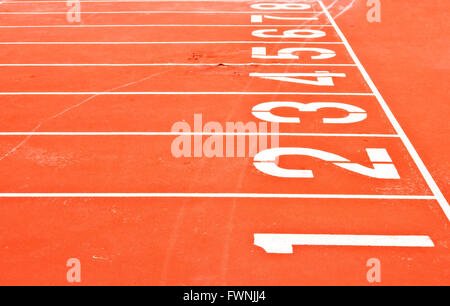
(215, 195)
(149, 1)
(283, 243)
(159, 25)
(183, 93)
(161, 12)
(171, 64)
(189, 134)
(160, 42)
(412, 151)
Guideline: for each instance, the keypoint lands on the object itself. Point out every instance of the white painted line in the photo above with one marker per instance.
(283, 243)
(150, 1)
(215, 195)
(160, 12)
(181, 93)
(171, 64)
(379, 156)
(188, 134)
(415, 156)
(256, 18)
(159, 25)
(160, 42)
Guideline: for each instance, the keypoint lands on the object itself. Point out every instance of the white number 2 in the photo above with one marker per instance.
(383, 168)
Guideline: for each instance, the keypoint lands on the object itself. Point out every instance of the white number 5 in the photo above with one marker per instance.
(288, 53)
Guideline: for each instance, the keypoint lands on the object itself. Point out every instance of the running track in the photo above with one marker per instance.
(85, 142)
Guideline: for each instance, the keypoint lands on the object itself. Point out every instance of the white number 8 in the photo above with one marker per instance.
(281, 6)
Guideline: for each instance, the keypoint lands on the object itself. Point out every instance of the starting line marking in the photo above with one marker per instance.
(283, 243)
(216, 195)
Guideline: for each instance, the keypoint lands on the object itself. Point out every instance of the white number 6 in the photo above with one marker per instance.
(295, 33)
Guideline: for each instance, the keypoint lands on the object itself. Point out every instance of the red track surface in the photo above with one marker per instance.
(192, 220)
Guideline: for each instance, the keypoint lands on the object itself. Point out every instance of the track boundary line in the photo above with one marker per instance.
(407, 143)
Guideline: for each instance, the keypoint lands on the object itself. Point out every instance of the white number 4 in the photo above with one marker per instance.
(324, 78)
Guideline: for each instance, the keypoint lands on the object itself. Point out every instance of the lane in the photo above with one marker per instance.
(144, 113)
(170, 34)
(169, 53)
(156, 18)
(219, 78)
(158, 6)
(181, 164)
(114, 236)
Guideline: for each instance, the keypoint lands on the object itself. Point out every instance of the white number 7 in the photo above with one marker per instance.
(259, 18)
